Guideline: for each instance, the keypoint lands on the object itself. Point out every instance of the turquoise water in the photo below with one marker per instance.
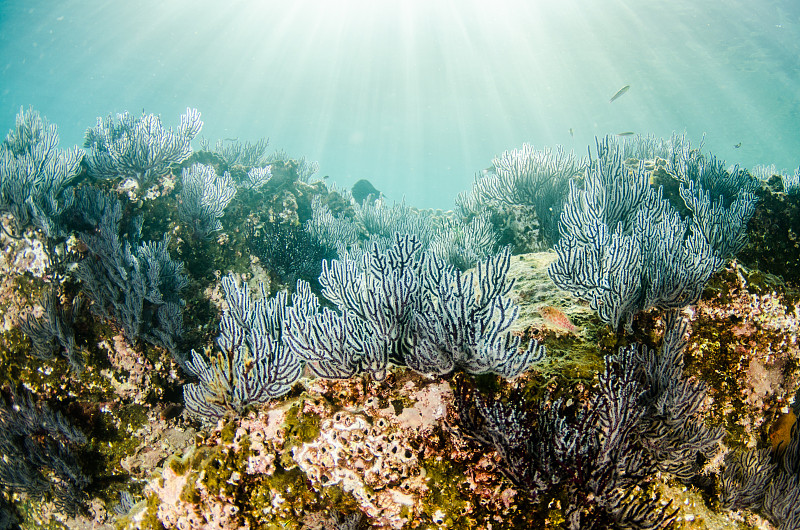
(416, 96)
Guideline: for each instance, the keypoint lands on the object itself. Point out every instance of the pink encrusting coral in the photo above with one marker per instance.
(380, 469)
(18, 257)
(744, 341)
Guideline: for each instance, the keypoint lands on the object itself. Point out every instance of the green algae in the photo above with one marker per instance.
(450, 502)
(772, 245)
(88, 399)
(569, 359)
(446, 494)
(151, 520)
(113, 437)
(146, 514)
(214, 467)
(298, 499)
(299, 427)
(16, 357)
(14, 345)
(397, 406)
(179, 465)
(222, 473)
(228, 432)
(720, 352)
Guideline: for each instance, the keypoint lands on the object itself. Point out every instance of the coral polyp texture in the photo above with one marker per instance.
(216, 338)
(358, 457)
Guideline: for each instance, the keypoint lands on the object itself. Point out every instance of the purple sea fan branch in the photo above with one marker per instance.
(140, 149)
(469, 327)
(252, 364)
(406, 306)
(204, 198)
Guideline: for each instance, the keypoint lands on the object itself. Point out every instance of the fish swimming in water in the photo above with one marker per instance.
(619, 93)
(626, 133)
(737, 146)
(571, 133)
(363, 190)
(556, 319)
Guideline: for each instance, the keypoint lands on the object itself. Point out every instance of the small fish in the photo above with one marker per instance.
(231, 139)
(571, 133)
(737, 146)
(780, 431)
(619, 93)
(555, 318)
(626, 133)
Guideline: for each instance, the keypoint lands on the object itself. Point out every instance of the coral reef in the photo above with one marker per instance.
(723, 228)
(204, 198)
(754, 480)
(258, 177)
(37, 444)
(287, 250)
(643, 418)
(625, 249)
(460, 242)
(360, 458)
(52, 331)
(139, 148)
(137, 285)
(773, 247)
(407, 307)
(253, 365)
(791, 182)
(36, 177)
(527, 177)
(441, 410)
(234, 152)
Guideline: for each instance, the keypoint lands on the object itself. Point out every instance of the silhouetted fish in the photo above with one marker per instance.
(619, 93)
(626, 133)
(363, 190)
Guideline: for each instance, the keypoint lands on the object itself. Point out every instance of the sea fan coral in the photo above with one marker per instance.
(625, 249)
(36, 177)
(406, 306)
(139, 148)
(252, 365)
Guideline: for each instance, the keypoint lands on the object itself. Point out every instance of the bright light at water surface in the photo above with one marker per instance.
(417, 96)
